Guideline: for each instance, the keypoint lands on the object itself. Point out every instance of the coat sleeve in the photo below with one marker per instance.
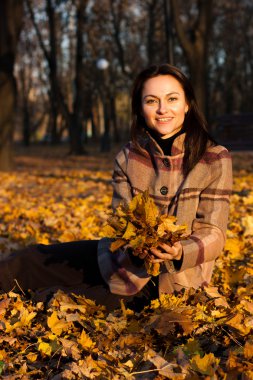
(208, 234)
(120, 181)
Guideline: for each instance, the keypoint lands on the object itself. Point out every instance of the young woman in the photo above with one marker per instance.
(188, 175)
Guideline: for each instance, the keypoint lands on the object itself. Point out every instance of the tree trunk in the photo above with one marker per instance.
(11, 13)
(105, 139)
(57, 102)
(195, 45)
(151, 48)
(53, 73)
(76, 127)
(24, 95)
(116, 136)
(168, 31)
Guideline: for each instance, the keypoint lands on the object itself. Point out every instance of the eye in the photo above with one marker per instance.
(172, 99)
(150, 101)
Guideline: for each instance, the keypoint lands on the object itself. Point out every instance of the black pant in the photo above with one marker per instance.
(72, 267)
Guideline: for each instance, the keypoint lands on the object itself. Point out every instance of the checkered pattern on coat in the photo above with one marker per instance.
(203, 205)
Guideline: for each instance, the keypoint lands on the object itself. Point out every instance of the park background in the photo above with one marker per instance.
(66, 72)
(67, 67)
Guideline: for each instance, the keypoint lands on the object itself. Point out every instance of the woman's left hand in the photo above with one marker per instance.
(166, 252)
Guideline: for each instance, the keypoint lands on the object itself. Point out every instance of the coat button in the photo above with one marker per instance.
(166, 162)
(164, 190)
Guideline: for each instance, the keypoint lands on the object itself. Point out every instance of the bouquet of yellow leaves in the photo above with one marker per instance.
(140, 226)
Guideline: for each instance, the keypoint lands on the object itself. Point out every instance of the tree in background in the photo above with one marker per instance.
(11, 14)
(194, 36)
(210, 41)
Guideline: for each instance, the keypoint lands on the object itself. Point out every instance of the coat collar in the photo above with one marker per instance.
(150, 144)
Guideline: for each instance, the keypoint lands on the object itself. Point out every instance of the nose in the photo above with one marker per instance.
(162, 107)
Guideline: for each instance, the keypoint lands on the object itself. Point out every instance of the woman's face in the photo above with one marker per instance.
(164, 105)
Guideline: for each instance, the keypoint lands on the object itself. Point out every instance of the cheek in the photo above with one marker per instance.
(181, 111)
(146, 113)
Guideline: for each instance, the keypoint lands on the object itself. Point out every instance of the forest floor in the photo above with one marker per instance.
(41, 156)
(196, 334)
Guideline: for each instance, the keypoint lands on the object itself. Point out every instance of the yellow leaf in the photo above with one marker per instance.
(108, 231)
(3, 354)
(115, 245)
(152, 268)
(232, 361)
(45, 348)
(247, 223)
(85, 341)
(56, 325)
(137, 242)
(129, 364)
(130, 231)
(235, 247)
(67, 236)
(206, 365)
(248, 200)
(247, 306)
(151, 210)
(237, 322)
(135, 203)
(32, 357)
(248, 349)
(26, 317)
(234, 276)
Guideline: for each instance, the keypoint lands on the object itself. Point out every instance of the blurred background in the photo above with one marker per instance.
(67, 68)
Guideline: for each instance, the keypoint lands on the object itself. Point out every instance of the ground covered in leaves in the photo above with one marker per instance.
(204, 334)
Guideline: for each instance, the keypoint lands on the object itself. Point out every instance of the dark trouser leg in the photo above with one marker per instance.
(38, 266)
(72, 267)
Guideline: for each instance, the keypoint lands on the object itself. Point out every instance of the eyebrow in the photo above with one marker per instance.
(154, 96)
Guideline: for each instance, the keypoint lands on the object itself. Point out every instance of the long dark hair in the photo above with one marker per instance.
(197, 138)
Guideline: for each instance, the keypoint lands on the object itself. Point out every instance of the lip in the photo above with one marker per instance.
(164, 119)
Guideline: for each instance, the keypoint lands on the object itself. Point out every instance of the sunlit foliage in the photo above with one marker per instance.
(195, 334)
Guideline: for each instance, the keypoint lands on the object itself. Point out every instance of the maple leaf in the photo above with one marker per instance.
(45, 348)
(235, 247)
(139, 225)
(32, 357)
(247, 223)
(205, 365)
(109, 231)
(70, 348)
(129, 340)
(248, 349)
(164, 323)
(56, 325)
(85, 341)
(193, 347)
(115, 245)
(212, 291)
(129, 232)
(237, 322)
(169, 370)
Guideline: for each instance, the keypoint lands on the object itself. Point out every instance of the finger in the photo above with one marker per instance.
(175, 250)
(165, 247)
(153, 260)
(161, 255)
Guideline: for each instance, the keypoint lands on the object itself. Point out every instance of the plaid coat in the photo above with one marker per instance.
(202, 204)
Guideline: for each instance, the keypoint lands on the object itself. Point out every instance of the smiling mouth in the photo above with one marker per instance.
(164, 119)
